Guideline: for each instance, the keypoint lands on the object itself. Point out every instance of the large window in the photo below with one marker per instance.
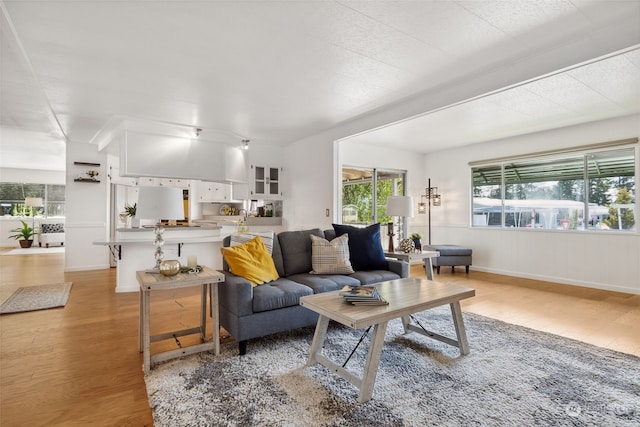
(365, 192)
(13, 195)
(591, 190)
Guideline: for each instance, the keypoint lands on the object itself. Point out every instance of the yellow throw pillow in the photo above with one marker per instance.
(252, 261)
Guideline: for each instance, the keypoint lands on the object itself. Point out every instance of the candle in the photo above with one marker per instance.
(192, 261)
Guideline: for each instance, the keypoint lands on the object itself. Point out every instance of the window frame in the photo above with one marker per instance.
(46, 191)
(376, 205)
(583, 155)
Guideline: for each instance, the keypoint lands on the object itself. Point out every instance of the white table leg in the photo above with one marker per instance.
(203, 313)
(461, 332)
(146, 339)
(429, 268)
(406, 321)
(215, 316)
(140, 321)
(373, 360)
(318, 339)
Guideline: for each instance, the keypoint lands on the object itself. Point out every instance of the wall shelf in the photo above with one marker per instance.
(92, 173)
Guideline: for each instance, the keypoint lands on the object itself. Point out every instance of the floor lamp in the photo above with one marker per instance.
(432, 196)
(400, 206)
(34, 202)
(159, 203)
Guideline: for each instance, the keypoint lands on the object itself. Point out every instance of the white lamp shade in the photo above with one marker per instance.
(34, 202)
(160, 203)
(400, 206)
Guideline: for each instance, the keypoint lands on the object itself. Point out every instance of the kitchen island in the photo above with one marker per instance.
(133, 250)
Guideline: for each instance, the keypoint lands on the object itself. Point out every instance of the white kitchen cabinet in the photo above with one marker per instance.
(239, 191)
(266, 181)
(214, 192)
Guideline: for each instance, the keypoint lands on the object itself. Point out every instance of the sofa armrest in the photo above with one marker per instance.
(236, 294)
(401, 268)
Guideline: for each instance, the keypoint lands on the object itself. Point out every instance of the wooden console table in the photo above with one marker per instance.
(208, 279)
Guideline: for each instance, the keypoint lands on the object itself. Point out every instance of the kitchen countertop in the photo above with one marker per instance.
(210, 226)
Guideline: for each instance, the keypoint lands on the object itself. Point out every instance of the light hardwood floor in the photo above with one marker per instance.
(80, 365)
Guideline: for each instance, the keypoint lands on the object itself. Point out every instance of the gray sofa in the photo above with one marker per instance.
(248, 312)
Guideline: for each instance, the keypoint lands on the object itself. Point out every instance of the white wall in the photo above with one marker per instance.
(607, 260)
(87, 208)
(604, 260)
(32, 176)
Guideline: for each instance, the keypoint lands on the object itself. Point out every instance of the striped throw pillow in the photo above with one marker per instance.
(330, 257)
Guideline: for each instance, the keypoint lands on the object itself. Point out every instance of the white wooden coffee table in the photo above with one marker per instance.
(405, 297)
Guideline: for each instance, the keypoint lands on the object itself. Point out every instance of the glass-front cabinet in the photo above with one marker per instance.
(266, 181)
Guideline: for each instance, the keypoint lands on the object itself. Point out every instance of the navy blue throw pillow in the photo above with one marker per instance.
(365, 247)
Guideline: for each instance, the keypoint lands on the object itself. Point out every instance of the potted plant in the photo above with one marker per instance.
(24, 235)
(131, 213)
(416, 240)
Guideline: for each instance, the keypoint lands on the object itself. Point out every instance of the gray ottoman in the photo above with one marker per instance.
(450, 255)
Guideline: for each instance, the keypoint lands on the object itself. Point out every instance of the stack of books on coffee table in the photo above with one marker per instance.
(362, 295)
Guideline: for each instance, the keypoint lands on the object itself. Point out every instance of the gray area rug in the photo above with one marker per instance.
(513, 376)
(30, 298)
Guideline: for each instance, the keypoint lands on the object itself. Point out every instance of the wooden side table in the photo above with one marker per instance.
(208, 279)
(413, 256)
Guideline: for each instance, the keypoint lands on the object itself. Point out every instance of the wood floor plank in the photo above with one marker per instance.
(80, 365)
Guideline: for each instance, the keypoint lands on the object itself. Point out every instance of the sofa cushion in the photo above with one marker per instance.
(277, 256)
(52, 228)
(266, 236)
(365, 246)
(330, 257)
(278, 294)
(326, 282)
(251, 260)
(330, 234)
(295, 247)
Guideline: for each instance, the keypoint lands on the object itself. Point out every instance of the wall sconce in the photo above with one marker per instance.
(432, 197)
(245, 144)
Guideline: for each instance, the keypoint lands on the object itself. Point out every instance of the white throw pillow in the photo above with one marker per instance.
(265, 236)
(330, 257)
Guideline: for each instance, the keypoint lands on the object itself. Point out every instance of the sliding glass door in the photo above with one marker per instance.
(365, 192)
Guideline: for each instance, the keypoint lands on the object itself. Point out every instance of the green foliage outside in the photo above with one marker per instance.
(13, 195)
(361, 195)
(626, 218)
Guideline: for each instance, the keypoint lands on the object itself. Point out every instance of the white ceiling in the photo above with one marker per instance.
(278, 71)
(602, 89)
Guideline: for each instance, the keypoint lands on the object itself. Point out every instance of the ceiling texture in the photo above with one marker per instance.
(275, 72)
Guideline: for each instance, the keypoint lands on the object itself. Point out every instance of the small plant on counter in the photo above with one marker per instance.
(416, 241)
(130, 210)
